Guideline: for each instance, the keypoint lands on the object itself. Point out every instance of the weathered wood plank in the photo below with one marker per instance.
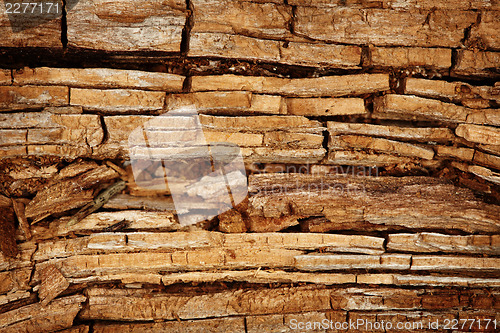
(420, 134)
(436, 28)
(235, 102)
(117, 100)
(267, 20)
(486, 32)
(155, 26)
(132, 305)
(29, 97)
(209, 44)
(374, 201)
(328, 86)
(408, 57)
(38, 29)
(324, 55)
(380, 145)
(236, 325)
(322, 261)
(418, 108)
(479, 134)
(364, 158)
(433, 242)
(477, 63)
(68, 194)
(325, 106)
(98, 78)
(452, 91)
(37, 318)
(454, 263)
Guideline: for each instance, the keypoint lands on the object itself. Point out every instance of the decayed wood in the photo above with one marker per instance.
(418, 108)
(175, 241)
(433, 242)
(349, 201)
(22, 260)
(477, 63)
(132, 305)
(37, 318)
(15, 98)
(364, 158)
(464, 154)
(46, 132)
(328, 86)
(479, 134)
(319, 262)
(258, 276)
(5, 77)
(306, 54)
(226, 102)
(452, 263)
(444, 28)
(134, 219)
(420, 134)
(488, 160)
(486, 31)
(97, 24)
(400, 5)
(227, 45)
(117, 100)
(68, 194)
(236, 325)
(208, 44)
(415, 56)
(14, 296)
(15, 281)
(381, 145)
(21, 217)
(98, 78)
(485, 173)
(453, 91)
(242, 17)
(262, 123)
(53, 284)
(32, 29)
(425, 280)
(325, 106)
(269, 135)
(116, 304)
(8, 244)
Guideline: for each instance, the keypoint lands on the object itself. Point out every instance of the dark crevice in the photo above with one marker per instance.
(186, 31)
(186, 85)
(64, 26)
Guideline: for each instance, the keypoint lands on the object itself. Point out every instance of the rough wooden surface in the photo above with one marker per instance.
(369, 132)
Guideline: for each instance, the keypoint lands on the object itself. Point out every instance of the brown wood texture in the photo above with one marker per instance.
(369, 134)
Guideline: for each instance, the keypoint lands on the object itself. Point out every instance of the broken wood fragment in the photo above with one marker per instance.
(8, 244)
(21, 218)
(98, 202)
(68, 194)
(53, 284)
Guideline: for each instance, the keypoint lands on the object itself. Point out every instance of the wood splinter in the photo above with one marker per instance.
(98, 202)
